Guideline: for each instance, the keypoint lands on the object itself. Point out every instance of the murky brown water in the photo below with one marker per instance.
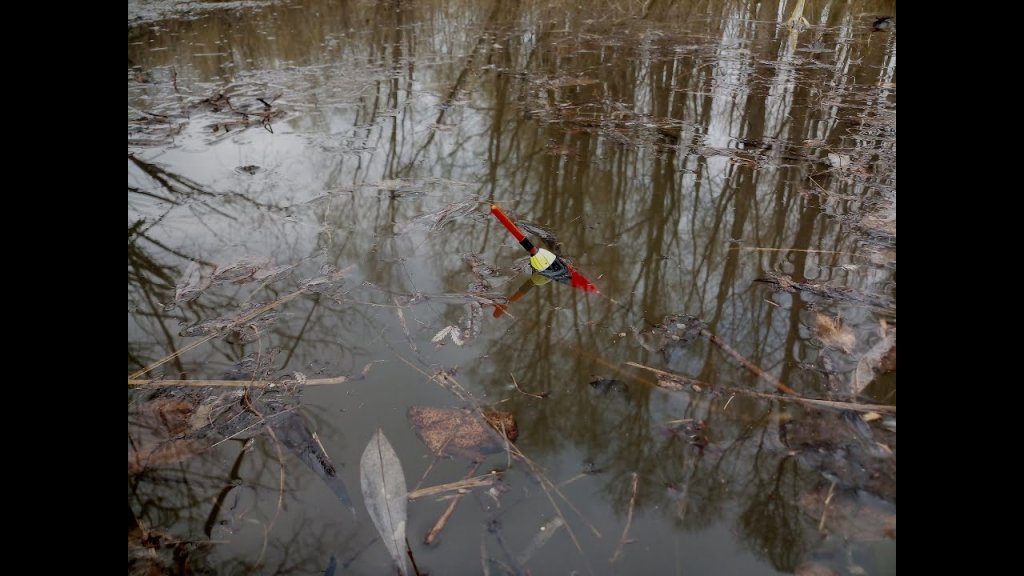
(728, 182)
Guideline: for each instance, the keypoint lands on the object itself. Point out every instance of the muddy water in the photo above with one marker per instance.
(308, 195)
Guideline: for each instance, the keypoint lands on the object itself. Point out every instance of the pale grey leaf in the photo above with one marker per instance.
(385, 495)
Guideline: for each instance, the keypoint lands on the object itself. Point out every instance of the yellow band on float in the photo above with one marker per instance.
(542, 260)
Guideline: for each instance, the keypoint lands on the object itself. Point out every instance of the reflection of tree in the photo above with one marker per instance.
(771, 522)
(658, 148)
(188, 490)
(689, 208)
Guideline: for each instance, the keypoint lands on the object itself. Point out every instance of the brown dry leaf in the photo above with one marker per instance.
(457, 432)
(833, 333)
(503, 422)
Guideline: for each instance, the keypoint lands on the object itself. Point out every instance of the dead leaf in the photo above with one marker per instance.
(458, 432)
(503, 422)
(385, 494)
(833, 333)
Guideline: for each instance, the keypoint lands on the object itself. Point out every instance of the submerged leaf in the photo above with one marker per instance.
(460, 433)
(385, 494)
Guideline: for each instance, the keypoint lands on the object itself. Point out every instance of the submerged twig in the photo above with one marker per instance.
(521, 391)
(464, 484)
(439, 525)
(437, 456)
(824, 510)
(412, 559)
(539, 540)
(549, 487)
(485, 559)
(405, 327)
(449, 383)
(629, 519)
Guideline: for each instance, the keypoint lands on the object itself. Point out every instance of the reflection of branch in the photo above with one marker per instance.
(856, 406)
(754, 368)
(629, 520)
(144, 236)
(243, 319)
(184, 186)
(455, 88)
(149, 299)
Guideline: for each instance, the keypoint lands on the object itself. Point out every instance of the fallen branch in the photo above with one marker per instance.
(673, 383)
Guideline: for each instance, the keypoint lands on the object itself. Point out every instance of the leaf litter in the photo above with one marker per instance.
(200, 277)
